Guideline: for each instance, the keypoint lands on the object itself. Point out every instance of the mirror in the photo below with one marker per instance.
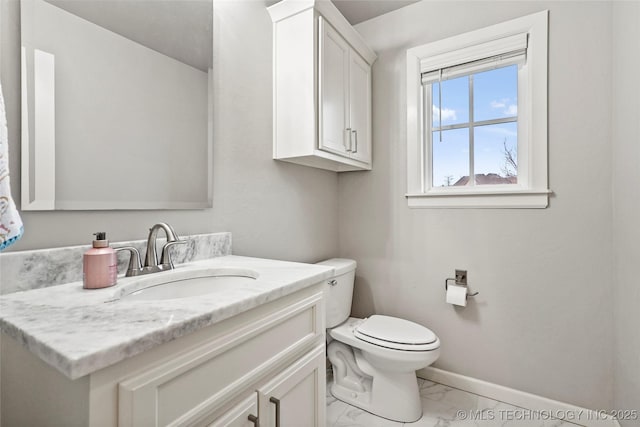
(116, 104)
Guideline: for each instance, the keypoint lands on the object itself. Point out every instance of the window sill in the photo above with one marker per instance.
(522, 199)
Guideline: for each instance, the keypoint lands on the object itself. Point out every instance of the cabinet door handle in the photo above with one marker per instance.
(347, 146)
(277, 403)
(255, 420)
(355, 133)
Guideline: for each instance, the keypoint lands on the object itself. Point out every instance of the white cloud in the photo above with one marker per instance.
(504, 104)
(447, 114)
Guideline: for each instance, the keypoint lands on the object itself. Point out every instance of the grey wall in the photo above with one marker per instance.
(273, 209)
(626, 176)
(543, 321)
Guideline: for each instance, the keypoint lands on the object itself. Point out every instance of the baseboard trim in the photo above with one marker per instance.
(587, 417)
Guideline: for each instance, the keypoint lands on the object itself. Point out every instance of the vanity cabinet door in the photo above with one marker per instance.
(244, 414)
(296, 396)
(334, 91)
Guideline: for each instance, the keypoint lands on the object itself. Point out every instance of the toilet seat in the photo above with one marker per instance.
(396, 334)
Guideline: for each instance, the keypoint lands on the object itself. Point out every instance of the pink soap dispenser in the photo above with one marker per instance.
(100, 266)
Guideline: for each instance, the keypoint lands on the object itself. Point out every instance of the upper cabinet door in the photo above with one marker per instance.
(360, 108)
(333, 91)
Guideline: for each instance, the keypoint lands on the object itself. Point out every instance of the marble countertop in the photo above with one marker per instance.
(80, 331)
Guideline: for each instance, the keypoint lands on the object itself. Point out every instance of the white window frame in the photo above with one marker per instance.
(531, 191)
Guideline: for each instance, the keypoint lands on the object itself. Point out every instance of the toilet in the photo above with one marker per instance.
(374, 359)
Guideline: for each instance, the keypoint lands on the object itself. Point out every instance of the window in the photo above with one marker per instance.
(477, 118)
(472, 127)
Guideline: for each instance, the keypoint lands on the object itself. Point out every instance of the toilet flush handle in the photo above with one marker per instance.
(332, 282)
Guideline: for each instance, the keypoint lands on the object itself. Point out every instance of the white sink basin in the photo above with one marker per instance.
(185, 284)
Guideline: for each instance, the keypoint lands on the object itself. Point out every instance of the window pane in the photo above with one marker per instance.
(455, 102)
(450, 158)
(496, 154)
(495, 93)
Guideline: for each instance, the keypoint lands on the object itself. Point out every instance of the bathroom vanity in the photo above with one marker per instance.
(241, 356)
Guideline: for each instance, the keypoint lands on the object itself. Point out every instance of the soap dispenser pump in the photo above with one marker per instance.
(100, 266)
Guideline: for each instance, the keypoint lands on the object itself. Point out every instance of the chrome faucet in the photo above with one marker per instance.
(151, 264)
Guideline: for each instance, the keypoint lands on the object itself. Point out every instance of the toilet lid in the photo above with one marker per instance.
(396, 333)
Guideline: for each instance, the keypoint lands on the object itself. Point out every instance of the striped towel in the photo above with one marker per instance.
(11, 228)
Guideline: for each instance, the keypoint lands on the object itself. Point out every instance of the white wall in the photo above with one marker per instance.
(543, 320)
(273, 209)
(626, 176)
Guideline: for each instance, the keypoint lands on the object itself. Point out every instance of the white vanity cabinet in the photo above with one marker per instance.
(265, 366)
(322, 88)
(289, 399)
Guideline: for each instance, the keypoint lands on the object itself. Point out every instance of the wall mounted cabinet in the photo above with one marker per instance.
(322, 88)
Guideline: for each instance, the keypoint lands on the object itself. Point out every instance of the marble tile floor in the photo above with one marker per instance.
(441, 405)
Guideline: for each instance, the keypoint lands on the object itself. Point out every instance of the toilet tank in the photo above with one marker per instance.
(339, 290)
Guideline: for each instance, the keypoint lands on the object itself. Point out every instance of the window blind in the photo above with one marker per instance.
(493, 54)
(497, 61)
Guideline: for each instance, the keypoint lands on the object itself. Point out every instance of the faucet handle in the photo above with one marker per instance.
(165, 259)
(135, 266)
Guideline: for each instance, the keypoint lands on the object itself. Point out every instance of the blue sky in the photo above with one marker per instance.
(495, 96)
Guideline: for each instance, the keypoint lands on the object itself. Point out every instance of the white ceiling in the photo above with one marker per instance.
(357, 11)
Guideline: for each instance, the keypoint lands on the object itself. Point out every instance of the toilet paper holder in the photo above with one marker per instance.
(460, 280)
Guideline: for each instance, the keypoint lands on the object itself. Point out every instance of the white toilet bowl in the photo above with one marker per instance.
(379, 375)
(375, 359)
